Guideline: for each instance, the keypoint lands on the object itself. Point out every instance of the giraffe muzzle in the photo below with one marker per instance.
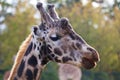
(90, 59)
(88, 63)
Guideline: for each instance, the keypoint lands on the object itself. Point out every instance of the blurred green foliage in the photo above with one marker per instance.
(18, 27)
(100, 29)
(50, 72)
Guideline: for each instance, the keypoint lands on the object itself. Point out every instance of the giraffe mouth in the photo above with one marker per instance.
(88, 63)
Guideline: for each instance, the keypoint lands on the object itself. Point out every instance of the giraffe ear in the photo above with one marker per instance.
(35, 30)
(36, 33)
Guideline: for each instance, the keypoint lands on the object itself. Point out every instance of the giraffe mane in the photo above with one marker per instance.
(20, 54)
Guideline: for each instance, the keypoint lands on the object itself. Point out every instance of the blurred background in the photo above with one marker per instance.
(97, 21)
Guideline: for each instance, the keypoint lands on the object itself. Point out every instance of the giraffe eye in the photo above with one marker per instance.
(55, 37)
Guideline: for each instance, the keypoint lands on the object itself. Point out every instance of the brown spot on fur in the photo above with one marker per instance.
(72, 36)
(57, 51)
(35, 72)
(78, 45)
(73, 46)
(57, 60)
(65, 59)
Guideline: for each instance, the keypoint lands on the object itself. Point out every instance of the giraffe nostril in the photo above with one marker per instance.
(93, 51)
(90, 49)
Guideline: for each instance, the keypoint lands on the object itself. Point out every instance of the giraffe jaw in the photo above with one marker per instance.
(88, 63)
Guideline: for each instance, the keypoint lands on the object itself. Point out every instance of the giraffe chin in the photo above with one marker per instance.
(88, 63)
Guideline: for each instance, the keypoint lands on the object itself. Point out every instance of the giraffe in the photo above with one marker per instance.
(53, 40)
(69, 72)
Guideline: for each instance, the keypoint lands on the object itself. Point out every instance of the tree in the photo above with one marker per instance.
(3, 12)
(18, 27)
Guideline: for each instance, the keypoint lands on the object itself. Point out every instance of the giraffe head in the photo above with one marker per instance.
(61, 43)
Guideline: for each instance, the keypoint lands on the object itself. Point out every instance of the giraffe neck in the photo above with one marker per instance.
(29, 65)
